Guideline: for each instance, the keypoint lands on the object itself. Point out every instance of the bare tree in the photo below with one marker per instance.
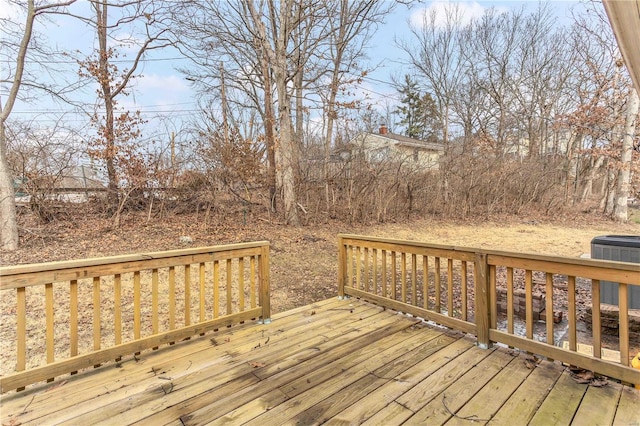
(117, 129)
(437, 56)
(43, 160)
(274, 54)
(224, 31)
(623, 185)
(350, 31)
(18, 46)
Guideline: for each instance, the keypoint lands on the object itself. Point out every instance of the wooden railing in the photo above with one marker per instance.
(66, 316)
(457, 287)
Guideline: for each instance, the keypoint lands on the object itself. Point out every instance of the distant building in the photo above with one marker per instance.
(386, 146)
(75, 184)
(81, 178)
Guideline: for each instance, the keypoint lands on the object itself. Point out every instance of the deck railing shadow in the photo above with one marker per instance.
(457, 287)
(71, 315)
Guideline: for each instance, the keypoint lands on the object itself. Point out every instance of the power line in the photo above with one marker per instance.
(121, 61)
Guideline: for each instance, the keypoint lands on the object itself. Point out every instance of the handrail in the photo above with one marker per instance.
(127, 304)
(463, 294)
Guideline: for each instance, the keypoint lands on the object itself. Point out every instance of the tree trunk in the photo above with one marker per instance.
(8, 218)
(8, 221)
(269, 134)
(285, 149)
(620, 209)
(287, 145)
(593, 167)
(105, 86)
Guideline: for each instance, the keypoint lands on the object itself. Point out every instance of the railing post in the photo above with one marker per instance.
(265, 291)
(342, 267)
(482, 308)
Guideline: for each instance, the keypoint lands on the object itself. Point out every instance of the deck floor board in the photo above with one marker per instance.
(334, 362)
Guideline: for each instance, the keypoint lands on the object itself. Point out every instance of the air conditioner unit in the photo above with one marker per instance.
(621, 248)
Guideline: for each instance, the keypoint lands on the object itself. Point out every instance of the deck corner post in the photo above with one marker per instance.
(265, 290)
(342, 267)
(482, 308)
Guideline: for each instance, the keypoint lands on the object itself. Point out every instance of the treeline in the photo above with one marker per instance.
(533, 114)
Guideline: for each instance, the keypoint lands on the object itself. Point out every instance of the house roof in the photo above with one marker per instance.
(624, 17)
(407, 141)
(81, 177)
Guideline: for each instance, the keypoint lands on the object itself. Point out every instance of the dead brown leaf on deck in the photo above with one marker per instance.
(531, 362)
(12, 422)
(580, 375)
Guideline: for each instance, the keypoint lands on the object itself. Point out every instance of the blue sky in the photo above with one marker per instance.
(163, 88)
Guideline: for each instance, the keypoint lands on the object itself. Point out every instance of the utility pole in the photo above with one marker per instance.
(173, 159)
(223, 96)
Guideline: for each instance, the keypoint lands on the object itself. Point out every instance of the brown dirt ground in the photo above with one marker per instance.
(303, 259)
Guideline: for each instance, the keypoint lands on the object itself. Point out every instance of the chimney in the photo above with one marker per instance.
(383, 129)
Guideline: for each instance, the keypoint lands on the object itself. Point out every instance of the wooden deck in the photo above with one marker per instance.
(335, 362)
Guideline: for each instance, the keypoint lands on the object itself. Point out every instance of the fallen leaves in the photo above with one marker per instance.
(532, 362)
(256, 364)
(580, 375)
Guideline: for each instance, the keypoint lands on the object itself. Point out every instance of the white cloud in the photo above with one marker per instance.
(458, 12)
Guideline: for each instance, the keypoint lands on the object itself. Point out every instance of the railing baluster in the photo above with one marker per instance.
(73, 318)
(425, 281)
(549, 307)
(241, 283)
(357, 265)
(50, 344)
(383, 273)
(493, 302)
(187, 295)
(481, 291)
(365, 266)
(229, 294)
(463, 289)
(265, 289)
(252, 266)
(510, 300)
(349, 277)
(450, 287)
(528, 285)
(201, 294)
(623, 321)
(595, 318)
(117, 308)
(394, 271)
(21, 330)
(216, 289)
(403, 276)
(96, 313)
(172, 297)
(136, 305)
(414, 279)
(571, 284)
(374, 265)
(437, 284)
(154, 301)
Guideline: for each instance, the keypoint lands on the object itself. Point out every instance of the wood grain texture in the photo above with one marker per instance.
(334, 362)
